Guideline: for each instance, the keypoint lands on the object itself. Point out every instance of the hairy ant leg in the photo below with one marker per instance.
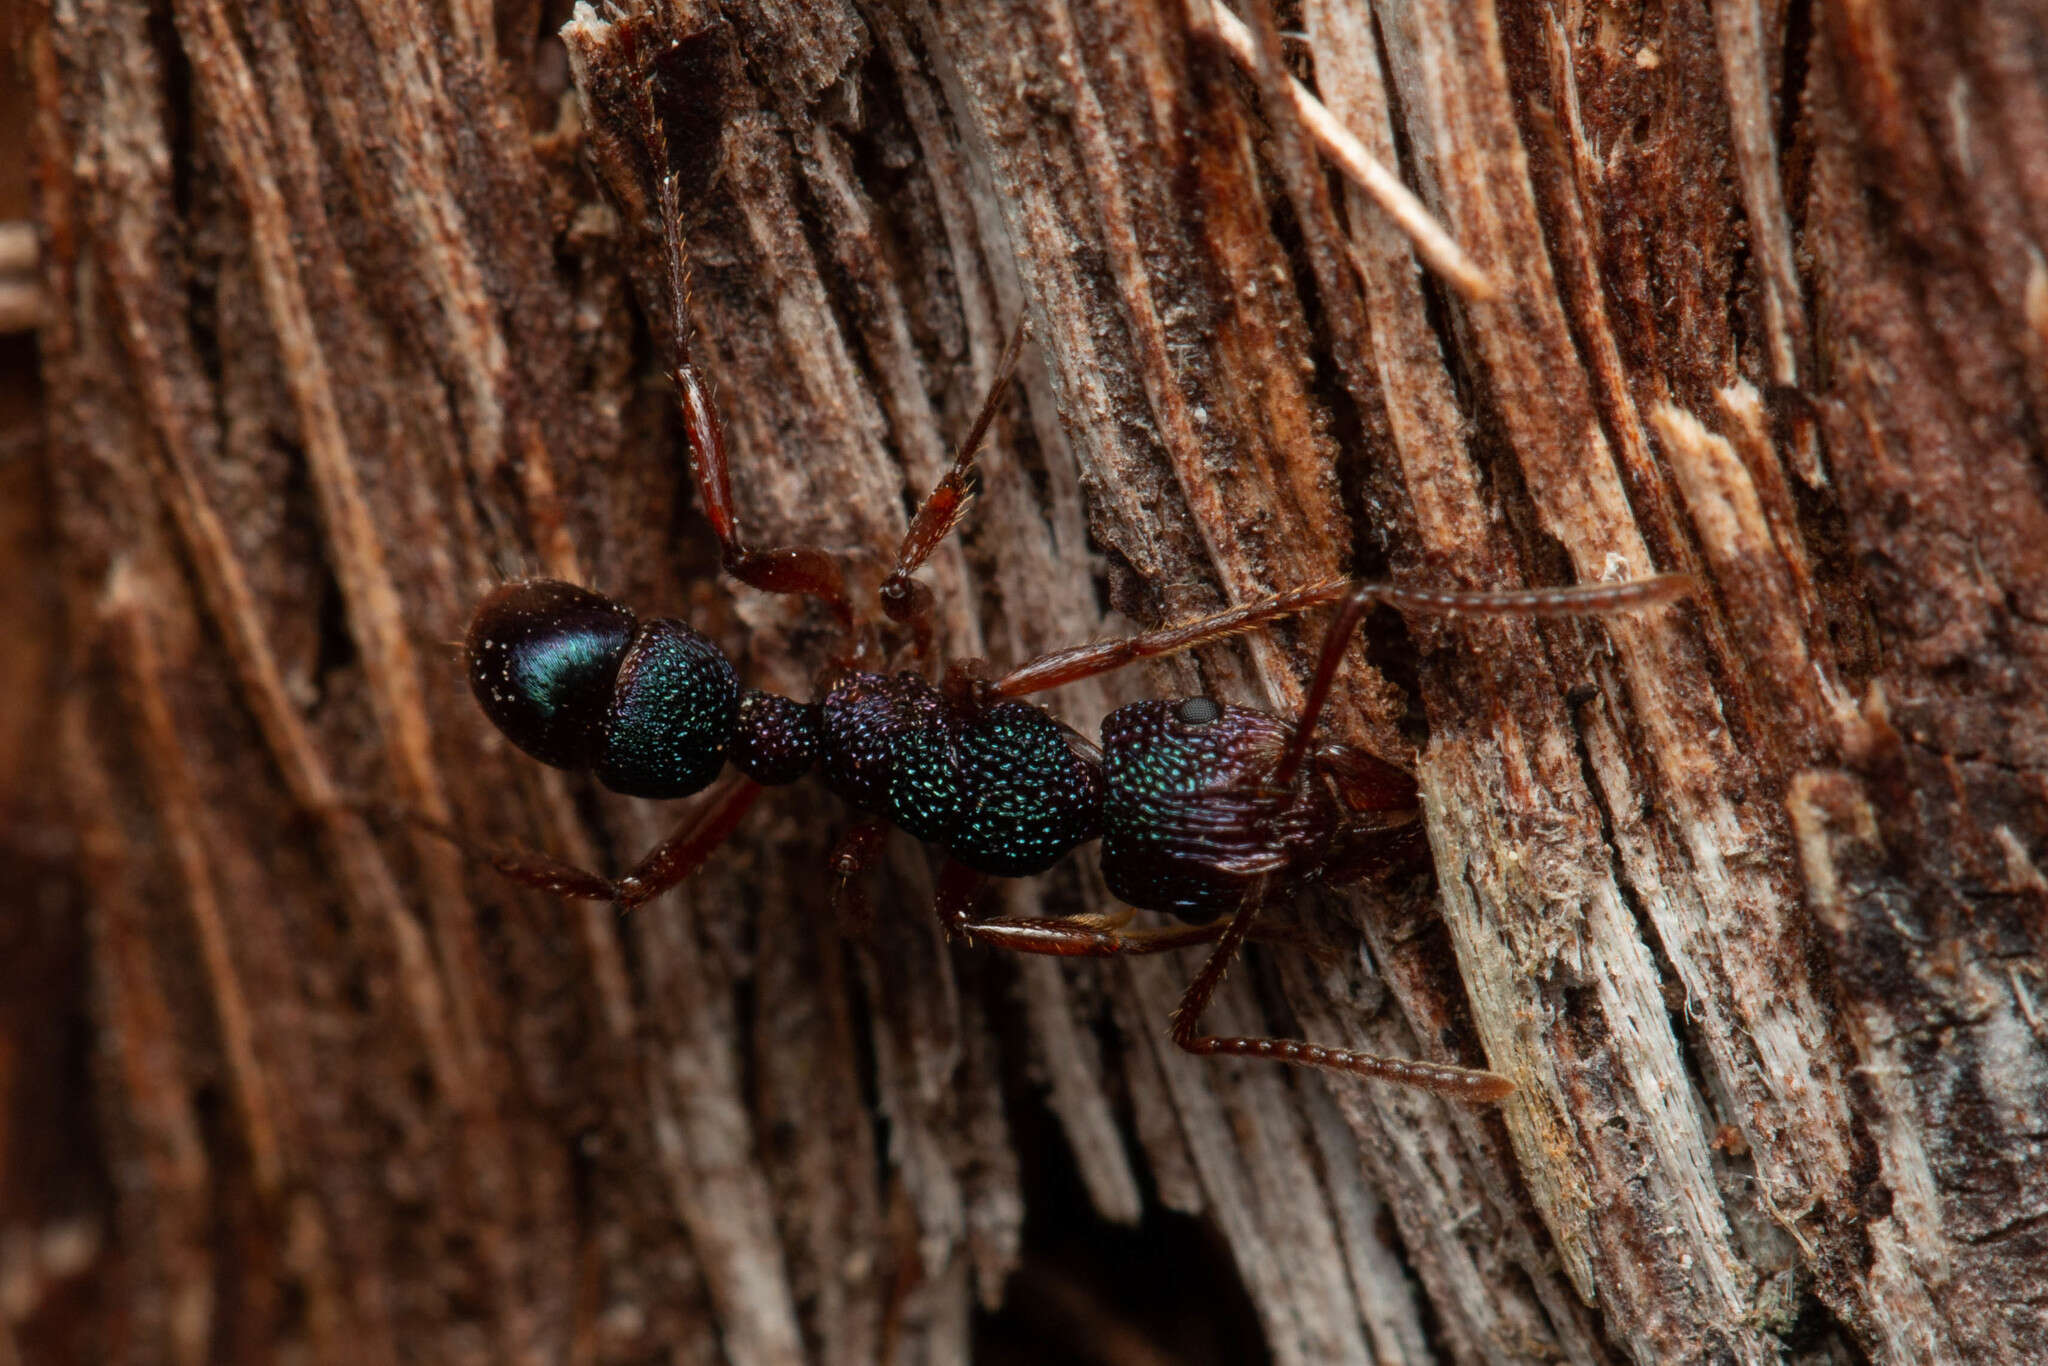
(527, 867)
(797, 569)
(693, 840)
(960, 887)
(906, 601)
(684, 852)
(1576, 600)
(1075, 938)
(1456, 1083)
(1059, 667)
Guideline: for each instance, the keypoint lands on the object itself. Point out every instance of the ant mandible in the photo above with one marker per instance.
(1205, 810)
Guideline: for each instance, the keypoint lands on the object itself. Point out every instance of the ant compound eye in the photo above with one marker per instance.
(1199, 711)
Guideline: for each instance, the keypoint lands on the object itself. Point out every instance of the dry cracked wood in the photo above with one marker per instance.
(345, 321)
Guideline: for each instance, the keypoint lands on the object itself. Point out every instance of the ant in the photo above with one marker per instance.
(1205, 811)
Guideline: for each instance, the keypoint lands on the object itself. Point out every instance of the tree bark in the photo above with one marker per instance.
(348, 319)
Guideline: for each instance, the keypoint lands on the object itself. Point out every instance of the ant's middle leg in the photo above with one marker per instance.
(668, 863)
(905, 600)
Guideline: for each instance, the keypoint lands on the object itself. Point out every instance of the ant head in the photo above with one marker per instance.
(543, 658)
(1189, 822)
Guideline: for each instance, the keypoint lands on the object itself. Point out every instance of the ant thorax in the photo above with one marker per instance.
(1003, 789)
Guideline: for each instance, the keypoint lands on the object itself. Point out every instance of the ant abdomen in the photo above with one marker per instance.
(577, 681)
(542, 659)
(1190, 822)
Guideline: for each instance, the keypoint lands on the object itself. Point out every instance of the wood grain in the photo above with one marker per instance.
(346, 317)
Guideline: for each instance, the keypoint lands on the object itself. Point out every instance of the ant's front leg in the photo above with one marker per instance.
(960, 887)
(1086, 661)
(1077, 662)
(668, 863)
(1574, 600)
(1455, 1083)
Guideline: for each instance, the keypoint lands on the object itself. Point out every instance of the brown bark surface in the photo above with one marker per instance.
(346, 321)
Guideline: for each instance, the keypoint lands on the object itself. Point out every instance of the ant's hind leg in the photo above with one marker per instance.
(791, 569)
(542, 872)
(1455, 1083)
(798, 569)
(692, 841)
(668, 863)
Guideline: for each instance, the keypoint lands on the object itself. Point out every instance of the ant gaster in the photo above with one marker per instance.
(1205, 811)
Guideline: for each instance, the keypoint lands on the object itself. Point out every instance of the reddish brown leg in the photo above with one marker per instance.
(1078, 938)
(668, 863)
(904, 599)
(1105, 656)
(852, 859)
(523, 866)
(1579, 600)
(684, 852)
(801, 569)
(1456, 1083)
(1086, 661)
(960, 887)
